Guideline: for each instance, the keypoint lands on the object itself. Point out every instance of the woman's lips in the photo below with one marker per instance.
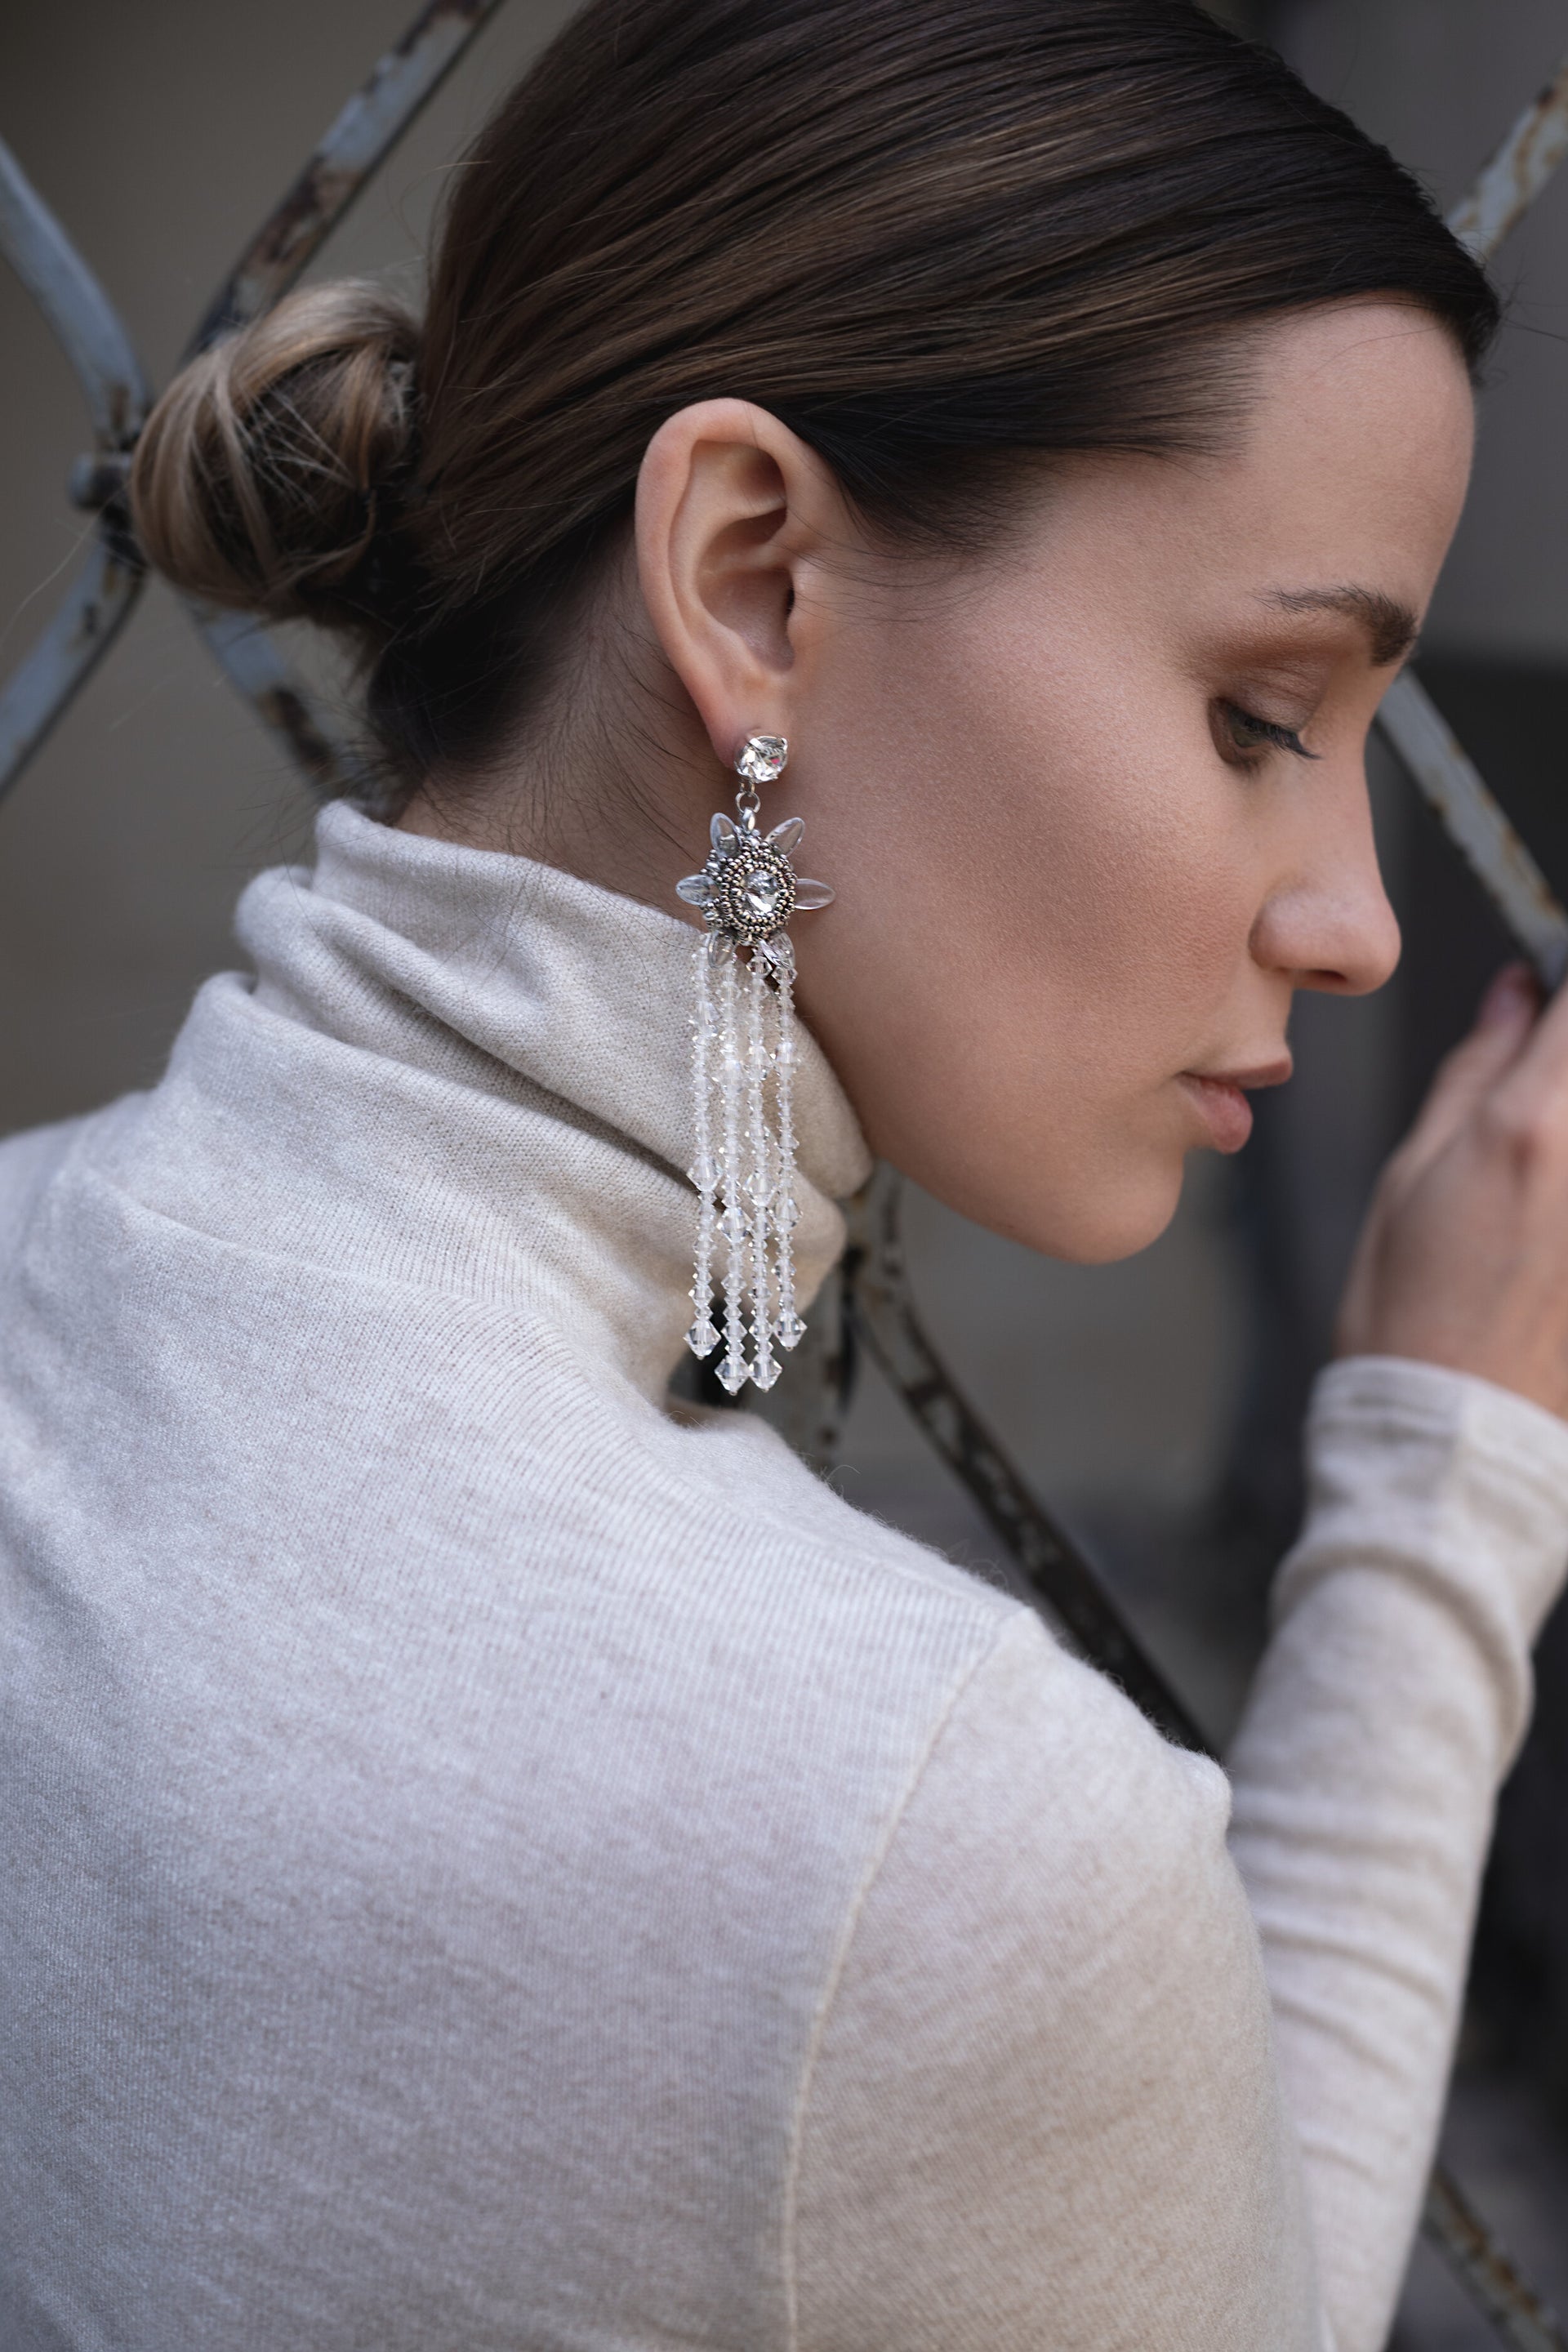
(1222, 1104)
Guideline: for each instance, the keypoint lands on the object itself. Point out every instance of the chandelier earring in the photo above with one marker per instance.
(743, 1073)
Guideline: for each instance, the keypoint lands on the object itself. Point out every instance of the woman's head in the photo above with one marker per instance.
(1003, 305)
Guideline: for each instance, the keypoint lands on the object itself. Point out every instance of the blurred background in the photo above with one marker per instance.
(1157, 1404)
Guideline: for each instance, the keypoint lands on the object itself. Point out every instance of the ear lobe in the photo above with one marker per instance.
(723, 531)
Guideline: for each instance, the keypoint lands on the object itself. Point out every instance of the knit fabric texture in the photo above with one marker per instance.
(494, 1862)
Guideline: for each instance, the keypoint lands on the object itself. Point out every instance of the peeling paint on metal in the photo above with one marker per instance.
(1516, 174)
(41, 689)
(371, 122)
(1476, 825)
(250, 660)
(1486, 2273)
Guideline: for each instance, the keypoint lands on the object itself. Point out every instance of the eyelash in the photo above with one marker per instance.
(1269, 733)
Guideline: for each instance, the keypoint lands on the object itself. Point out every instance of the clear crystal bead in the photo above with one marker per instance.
(702, 1339)
(694, 889)
(789, 1330)
(758, 1188)
(785, 836)
(765, 1370)
(809, 895)
(721, 833)
(704, 1174)
(762, 759)
(732, 1374)
(762, 892)
(787, 1212)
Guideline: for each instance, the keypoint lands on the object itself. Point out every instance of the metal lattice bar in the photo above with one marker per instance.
(75, 307)
(1449, 782)
(1426, 743)
(360, 137)
(103, 594)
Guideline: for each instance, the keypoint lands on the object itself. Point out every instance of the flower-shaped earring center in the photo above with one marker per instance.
(751, 887)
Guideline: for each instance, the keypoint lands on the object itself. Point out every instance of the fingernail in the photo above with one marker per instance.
(1514, 991)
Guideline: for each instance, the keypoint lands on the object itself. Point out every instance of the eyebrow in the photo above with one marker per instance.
(1390, 626)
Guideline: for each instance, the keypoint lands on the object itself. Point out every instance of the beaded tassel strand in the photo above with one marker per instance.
(759, 1185)
(703, 1336)
(788, 1328)
(734, 1370)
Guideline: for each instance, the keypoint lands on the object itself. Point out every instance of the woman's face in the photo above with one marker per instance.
(1098, 808)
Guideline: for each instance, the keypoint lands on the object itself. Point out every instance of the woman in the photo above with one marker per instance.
(496, 1858)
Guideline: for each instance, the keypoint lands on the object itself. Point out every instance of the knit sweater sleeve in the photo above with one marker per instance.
(1391, 1700)
(1079, 2082)
(1043, 2109)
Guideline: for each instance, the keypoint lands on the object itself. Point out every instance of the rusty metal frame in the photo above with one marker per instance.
(100, 601)
(879, 1309)
(104, 593)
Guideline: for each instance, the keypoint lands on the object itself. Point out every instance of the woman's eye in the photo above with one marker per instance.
(1244, 735)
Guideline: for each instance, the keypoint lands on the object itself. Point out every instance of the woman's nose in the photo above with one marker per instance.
(1333, 928)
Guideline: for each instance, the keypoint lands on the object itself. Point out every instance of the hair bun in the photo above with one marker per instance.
(272, 466)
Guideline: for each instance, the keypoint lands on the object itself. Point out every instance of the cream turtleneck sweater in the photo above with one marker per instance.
(490, 1860)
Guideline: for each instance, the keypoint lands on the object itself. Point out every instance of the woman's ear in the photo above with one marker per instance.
(732, 511)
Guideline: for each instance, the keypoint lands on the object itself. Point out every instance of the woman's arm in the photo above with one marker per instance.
(1389, 1704)
(1059, 2099)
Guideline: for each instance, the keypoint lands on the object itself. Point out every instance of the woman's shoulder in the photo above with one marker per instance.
(989, 1687)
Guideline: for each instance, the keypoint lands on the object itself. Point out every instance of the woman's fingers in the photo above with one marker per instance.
(1505, 1033)
(1464, 1257)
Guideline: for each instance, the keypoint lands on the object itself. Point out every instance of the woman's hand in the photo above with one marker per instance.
(1464, 1257)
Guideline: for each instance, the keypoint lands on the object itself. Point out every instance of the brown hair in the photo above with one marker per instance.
(928, 235)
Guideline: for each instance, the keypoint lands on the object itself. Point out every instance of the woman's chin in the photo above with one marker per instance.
(1110, 1216)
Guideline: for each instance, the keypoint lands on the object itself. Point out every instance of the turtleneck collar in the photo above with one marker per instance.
(467, 1070)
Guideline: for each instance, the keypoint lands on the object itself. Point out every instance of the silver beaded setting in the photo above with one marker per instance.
(743, 1079)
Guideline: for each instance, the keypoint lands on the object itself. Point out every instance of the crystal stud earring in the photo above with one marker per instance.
(743, 1074)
